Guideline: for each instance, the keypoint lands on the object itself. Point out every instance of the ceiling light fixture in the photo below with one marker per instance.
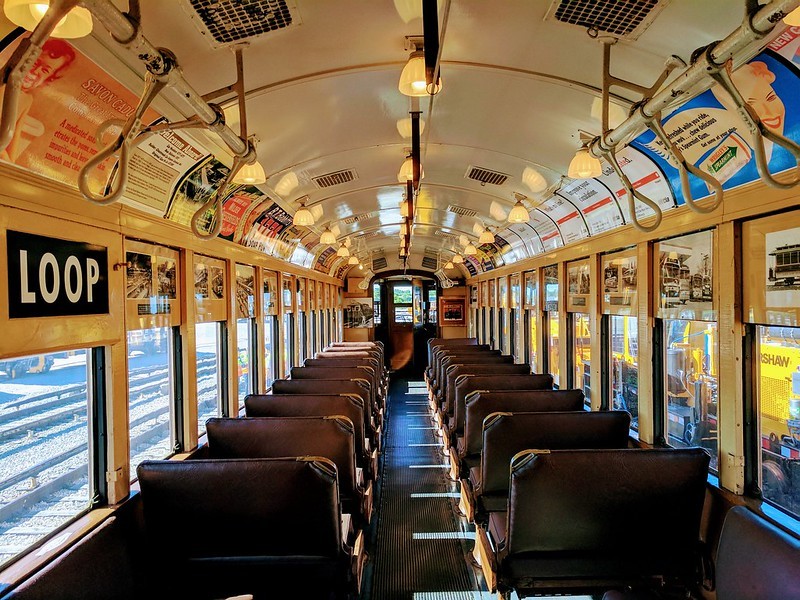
(406, 172)
(412, 79)
(487, 237)
(404, 212)
(303, 216)
(519, 214)
(470, 249)
(28, 13)
(327, 237)
(404, 126)
(449, 265)
(458, 259)
(353, 260)
(584, 165)
(343, 251)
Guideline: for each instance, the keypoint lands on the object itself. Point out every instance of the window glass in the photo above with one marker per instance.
(243, 353)
(402, 294)
(403, 314)
(270, 340)
(533, 340)
(302, 347)
(376, 303)
(581, 356)
(288, 341)
(44, 449)
(208, 374)
(778, 384)
(150, 395)
(691, 384)
(624, 367)
(492, 337)
(552, 345)
(432, 308)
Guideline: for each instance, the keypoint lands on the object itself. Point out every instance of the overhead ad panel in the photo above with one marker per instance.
(600, 210)
(547, 230)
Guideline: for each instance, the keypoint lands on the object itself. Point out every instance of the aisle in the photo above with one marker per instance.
(419, 547)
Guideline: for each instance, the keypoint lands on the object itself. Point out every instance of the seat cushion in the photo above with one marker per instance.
(497, 528)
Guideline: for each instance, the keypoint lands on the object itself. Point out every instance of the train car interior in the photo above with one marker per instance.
(399, 299)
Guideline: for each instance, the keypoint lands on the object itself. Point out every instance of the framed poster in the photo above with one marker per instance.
(515, 291)
(684, 273)
(579, 286)
(771, 250)
(550, 275)
(358, 313)
(209, 289)
(452, 311)
(619, 279)
(531, 289)
(245, 292)
(270, 290)
(152, 294)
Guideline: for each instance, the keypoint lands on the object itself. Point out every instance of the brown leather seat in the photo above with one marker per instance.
(218, 528)
(273, 437)
(319, 405)
(577, 519)
(335, 372)
(467, 450)
(505, 434)
(434, 343)
(756, 560)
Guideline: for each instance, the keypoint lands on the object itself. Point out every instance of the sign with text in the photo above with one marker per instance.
(49, 277)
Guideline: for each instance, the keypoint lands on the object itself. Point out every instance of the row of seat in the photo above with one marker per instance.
(562, 505)
(552, 489)
(277, 502)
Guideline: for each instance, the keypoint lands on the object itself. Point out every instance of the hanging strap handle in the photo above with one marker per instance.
(611, 157)
(121, 146)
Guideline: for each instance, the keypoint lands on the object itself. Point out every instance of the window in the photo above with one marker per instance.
(44, 447)
(151, 384)
(581, 356)
(432, 308)
(288, 341)
(533, 341)
(552, 345)
(403, 314)
(624, 370)
(401, 294)
(209, 405)
(245, 331)
(376, 303)
(778, 395)
(270, 292)
(691, 384)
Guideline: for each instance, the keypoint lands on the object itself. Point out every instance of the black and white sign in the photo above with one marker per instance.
(49, 277)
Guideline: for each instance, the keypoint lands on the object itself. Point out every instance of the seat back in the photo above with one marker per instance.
(481, 368)
(481, 404)
(434, 343)
(276, 437)
(466, 354)
(308, 405)
(468, 383)
(334, 372)
(245, 525)
(505, 434)
(577, 518)
(756, 559)
(441, 351)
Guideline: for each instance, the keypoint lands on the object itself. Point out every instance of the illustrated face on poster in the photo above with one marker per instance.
(712, 136)
(200, 281)
(167, 277)
(139, 275)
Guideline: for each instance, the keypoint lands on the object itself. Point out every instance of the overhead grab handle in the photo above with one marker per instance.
(684, 168)
(121, 145)
(758, 131)
(198, 219)
(611, 156)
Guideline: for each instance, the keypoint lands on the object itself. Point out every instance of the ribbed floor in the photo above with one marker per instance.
(419, 548)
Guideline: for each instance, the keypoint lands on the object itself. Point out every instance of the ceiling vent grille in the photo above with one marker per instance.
(625, 19)
(358, 218)
(379, 263)
(430, 262)
(461, 211)
(335, 178)
(231, 22)
(485, 176)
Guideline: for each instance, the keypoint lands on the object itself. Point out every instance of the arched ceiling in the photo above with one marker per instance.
(518, 87)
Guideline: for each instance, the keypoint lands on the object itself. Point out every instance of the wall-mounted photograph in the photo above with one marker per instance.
(358, 313)
(452, 311)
